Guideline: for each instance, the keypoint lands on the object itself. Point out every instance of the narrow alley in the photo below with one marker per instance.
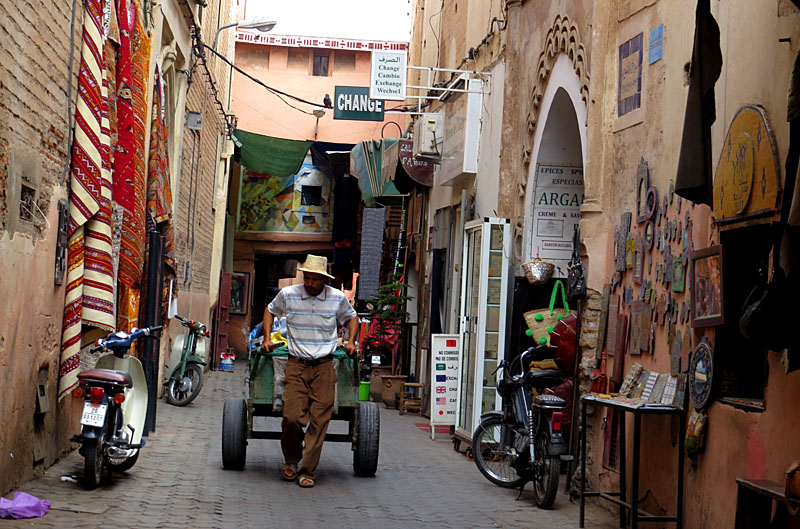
(179, 482)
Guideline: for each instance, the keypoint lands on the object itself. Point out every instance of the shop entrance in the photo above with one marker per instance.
(557, 185)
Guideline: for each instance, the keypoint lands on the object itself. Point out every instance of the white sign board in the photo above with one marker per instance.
(444, 379)
(387, 78)
(462, 126)
(556, 211)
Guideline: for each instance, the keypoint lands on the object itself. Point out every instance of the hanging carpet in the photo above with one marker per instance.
(89, 297)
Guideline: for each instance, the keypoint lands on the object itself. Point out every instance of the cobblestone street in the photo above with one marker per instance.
(179, 482)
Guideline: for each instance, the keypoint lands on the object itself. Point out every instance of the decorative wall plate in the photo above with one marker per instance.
(651, 203)
(701, 374)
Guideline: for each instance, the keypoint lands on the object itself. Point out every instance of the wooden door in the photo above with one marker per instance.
(221, 319)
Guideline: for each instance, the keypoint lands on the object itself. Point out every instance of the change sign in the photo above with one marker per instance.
(353, 103)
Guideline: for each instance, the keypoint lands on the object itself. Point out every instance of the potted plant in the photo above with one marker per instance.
(388, 315)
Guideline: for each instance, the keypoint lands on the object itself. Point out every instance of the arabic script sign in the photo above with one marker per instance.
(387, 78)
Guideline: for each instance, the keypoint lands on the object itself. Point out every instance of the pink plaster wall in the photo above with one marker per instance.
(263, 113)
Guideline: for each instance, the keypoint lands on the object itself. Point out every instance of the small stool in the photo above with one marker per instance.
(411, 397)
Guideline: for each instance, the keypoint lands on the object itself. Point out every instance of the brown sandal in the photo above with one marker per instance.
(289, 472)
(306, 482)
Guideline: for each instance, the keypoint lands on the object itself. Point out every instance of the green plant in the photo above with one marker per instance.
(387, 309)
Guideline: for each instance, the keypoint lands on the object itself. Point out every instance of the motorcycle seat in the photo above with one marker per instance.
(549, 400)
(544, 379)
(112, 376)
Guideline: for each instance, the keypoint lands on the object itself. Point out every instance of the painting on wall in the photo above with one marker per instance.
(240, 292)
(707, 305)
(300, 203)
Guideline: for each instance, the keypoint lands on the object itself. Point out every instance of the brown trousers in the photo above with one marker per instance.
(308, 393)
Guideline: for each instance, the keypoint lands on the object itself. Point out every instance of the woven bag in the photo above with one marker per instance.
(541, 322)
(538, 271)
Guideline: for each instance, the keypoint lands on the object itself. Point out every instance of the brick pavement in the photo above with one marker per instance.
(179, 482)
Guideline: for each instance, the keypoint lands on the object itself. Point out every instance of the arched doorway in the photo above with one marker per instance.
(555, 187)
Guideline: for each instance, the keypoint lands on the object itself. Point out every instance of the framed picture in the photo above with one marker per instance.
(240, 292)
(707, 287)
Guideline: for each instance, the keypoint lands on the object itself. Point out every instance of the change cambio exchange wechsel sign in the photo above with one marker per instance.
(387, 80)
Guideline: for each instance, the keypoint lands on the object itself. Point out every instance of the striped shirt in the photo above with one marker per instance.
(312, 321)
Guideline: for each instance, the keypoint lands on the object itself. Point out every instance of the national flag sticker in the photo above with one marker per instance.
(441, 389)
(441, 401)
(441, 367)
(441, 378)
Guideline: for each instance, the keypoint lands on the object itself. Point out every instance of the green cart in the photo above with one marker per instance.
(263, 401)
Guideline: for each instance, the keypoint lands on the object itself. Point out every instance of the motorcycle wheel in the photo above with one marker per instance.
(125, 464)
(92, 463)
(502, 469)
(178, 396)
(545, 473)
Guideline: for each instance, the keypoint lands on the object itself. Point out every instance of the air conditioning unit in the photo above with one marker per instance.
(429, 135)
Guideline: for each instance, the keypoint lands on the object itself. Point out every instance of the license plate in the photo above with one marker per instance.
(93, 415)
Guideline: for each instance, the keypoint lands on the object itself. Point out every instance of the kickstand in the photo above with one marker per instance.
(521, 490)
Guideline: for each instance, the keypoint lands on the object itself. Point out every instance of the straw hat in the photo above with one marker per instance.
(317, 265)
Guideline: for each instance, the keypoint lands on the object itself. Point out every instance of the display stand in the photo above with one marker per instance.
(619, 497)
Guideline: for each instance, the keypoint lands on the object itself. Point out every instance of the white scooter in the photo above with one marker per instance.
(114, 409)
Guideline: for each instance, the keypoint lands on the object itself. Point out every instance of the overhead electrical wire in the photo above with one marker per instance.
(274, 91)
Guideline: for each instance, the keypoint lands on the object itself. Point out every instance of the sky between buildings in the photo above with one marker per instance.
(387, 20)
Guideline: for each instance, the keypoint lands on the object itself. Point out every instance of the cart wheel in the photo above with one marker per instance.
(468, 454)
(234, 434)
(365, 455)
(456, 444)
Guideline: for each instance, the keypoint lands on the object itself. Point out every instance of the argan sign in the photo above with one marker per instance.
(387, 78)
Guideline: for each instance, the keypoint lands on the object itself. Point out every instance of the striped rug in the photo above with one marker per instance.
(89, 298)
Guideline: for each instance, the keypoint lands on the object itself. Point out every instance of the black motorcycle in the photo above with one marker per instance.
(523, 442)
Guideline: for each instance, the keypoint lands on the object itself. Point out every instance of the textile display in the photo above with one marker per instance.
(129, 158)
(128, 300)
(90, 283)
(159, 191)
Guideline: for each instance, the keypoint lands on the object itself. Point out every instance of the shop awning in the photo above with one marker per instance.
(387, 168)
(374, 163)
(270, 156)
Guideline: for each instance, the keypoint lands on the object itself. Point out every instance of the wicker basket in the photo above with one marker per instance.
(538, 271)
(542, 321)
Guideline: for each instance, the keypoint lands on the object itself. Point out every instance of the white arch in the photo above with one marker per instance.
(563, 76)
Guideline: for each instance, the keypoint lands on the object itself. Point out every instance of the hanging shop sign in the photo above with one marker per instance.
(746, 182)
(556, 211)
(353, 103)
(444, 379)
(387, 78)
(419, 169)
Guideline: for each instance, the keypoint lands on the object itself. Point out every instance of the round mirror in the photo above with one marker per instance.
(701, 373)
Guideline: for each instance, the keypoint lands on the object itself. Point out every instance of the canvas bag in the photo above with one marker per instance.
(576, 282)
(542, 322)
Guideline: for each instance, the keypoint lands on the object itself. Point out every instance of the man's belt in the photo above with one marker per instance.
(311, 361)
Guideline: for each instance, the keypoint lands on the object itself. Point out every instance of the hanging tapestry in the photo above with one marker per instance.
(129, 161)
(89, 296)
(159, 192)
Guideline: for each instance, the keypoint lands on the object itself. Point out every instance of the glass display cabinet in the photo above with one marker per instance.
(484, 287)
